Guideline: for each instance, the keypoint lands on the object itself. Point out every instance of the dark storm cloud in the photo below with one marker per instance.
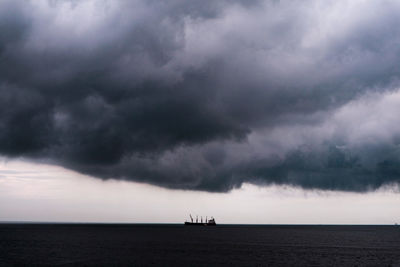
(188, 94)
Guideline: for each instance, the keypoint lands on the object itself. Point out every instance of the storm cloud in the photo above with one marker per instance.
(205, 95)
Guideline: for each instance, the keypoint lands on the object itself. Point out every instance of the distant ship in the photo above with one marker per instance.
(210, 222)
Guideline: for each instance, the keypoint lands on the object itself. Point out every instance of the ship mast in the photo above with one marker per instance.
(191, 218)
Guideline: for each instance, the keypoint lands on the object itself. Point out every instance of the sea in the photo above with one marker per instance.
(46, 244)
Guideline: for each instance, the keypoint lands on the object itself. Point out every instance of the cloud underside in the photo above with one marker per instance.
(205, 95)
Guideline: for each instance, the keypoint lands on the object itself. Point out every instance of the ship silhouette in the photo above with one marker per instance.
(210, 222)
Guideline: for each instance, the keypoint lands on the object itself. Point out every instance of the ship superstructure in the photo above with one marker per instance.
(207, 222)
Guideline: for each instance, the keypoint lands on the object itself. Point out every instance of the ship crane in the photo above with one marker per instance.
(206, 222)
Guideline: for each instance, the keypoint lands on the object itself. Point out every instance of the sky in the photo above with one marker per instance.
(289, 107)
(45, 193)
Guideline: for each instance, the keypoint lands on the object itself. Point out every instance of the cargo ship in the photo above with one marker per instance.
(210, 222)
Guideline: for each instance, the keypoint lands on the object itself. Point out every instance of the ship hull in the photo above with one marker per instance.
(200, 224)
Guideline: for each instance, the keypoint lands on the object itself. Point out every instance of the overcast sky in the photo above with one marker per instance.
(45, 193)
(202, 98)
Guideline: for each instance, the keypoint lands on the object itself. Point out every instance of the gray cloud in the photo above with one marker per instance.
(202, 95)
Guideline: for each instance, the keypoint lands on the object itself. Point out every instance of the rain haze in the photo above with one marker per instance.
(258, 112)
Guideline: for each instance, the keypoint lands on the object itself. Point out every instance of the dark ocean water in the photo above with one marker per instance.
(177, 245)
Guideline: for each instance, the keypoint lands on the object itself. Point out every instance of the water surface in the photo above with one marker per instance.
(178, 245)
